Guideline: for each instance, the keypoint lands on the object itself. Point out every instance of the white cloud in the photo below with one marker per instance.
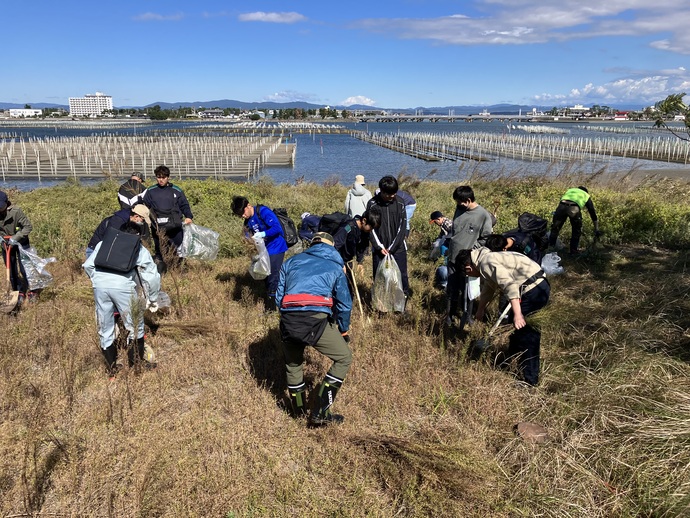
(261, 16)
(155, 17)
(638, 89)
(358, 99)
(287, 96)
(515, 22)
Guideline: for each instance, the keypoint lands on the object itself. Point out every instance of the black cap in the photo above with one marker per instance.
(435, 215)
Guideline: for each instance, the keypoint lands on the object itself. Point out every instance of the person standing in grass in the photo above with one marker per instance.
(472, 223)
(389, 238)
(523, 283)
(170, 210)
(357, 198)
(315, 305)
(129, 219)
(570, 207)
(260, 221)
(15, 227)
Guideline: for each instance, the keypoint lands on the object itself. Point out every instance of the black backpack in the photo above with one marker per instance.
(333, 222)
(289, 229)
(536, 227)
(119, 251)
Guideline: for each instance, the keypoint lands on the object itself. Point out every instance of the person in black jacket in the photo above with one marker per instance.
(134, 219)
(351, 240)
(170, 210)
(390, 237)
(131, 192)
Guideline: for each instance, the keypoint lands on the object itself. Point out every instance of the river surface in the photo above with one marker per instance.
(322, 157)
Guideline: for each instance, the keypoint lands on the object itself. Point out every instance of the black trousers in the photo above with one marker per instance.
(563, 212)
(400, 257)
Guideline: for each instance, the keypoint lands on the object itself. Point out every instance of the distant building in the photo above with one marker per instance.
(24, 112)
(211, 114)
(91, 105)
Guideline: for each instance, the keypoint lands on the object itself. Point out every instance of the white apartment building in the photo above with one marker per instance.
(90, 105)
(25, 112)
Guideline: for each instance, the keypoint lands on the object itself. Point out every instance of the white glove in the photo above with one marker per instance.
(152, 306)
(259, 234)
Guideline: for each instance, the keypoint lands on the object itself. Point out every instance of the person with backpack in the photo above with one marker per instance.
(570, 207)
(357, 198)
(529, 238)
(472, 224)
(523, 283)
(260, 221)
(315, 307)
(131, 192)
(170, 210)
(351, 235)
(118, 267)
(389, 238)
(132, 219)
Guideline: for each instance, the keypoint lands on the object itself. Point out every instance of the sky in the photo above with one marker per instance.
(402, 54)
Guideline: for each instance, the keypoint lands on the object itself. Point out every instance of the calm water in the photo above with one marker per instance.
(322, 157)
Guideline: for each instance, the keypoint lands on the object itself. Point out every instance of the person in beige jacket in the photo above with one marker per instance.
(524, 285)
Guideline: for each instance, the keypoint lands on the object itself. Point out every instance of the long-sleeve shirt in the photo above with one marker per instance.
(471, 227)
(391, 234)
(17, 225)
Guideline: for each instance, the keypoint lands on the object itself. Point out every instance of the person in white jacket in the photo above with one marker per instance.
(117, 291)
(357, 198)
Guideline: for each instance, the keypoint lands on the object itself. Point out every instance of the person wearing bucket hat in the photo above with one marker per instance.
(133, 220)
(315, 305)
(16, 226)
(524, 285)
(357, 198)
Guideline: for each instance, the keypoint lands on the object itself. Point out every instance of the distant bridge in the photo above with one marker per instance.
(445, 118)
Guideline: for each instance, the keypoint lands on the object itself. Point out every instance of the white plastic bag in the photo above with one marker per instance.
(261, 263)
(34, 266)
(549, 264)
(387, 292)
(199, 243)
(473, 288)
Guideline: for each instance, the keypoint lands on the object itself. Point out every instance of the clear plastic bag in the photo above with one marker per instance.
(387, 293)
(436, 249)
(199, 243)
(36, 274)
(550, 264)
(261, 263)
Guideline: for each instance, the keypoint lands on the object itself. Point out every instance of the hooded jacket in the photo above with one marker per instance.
(16, 224)
(356, 200)
(314, 281)
(504, 271)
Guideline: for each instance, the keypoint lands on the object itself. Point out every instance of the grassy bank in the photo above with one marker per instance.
(426, 433)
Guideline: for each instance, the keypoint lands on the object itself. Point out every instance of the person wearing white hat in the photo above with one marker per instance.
(137, 218)
(357, 198)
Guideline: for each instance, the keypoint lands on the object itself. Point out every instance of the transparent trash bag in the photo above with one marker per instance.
(199, 243)
(36, 274)
(436, 249)
(261, 263)
(473, 288)
(387, 293)
(550, 264)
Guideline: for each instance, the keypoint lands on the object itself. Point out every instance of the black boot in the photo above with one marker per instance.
(297, 399)
(110, 355)
(322, 415)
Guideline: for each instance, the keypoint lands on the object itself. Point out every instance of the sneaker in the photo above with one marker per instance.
(316, 421)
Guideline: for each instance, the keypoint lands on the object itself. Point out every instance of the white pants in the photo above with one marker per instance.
(127, 303)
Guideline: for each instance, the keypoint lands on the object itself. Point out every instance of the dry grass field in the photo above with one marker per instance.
(427, 433)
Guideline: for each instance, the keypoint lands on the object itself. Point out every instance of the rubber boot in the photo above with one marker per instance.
(110, 355)
(322, 416)
(298, 399)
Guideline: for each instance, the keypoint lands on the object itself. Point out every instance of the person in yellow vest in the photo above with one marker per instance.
(570, 207)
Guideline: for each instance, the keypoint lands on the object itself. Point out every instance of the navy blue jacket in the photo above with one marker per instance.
(317, 273)
(164, 200)
(119, 220)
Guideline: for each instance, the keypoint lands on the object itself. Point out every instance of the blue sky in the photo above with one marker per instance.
(404, 54)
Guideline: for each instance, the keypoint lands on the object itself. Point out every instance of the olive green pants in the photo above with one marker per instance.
(331, 344)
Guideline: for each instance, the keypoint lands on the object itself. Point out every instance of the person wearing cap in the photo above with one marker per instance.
(131, 192)
(445, 224)
(570, 207)
(523, 283)
(15, 227)
(260, 221)
(132, 220)
(315, 305)
(170, 210)
(115, 293)
(357, 198)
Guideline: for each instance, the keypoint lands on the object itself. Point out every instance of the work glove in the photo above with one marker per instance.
(260, 234)
(12, 241)
(152, 306)
(346, 337)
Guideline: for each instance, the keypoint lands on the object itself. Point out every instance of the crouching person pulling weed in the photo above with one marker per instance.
(117, 266)
(524, 284)
(315, 305)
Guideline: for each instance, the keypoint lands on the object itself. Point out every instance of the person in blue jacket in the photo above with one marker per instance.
(117, 291)
(315, 305)
(170, 210)
(260, 221)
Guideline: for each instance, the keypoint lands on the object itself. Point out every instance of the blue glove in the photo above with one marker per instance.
(259, 234)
